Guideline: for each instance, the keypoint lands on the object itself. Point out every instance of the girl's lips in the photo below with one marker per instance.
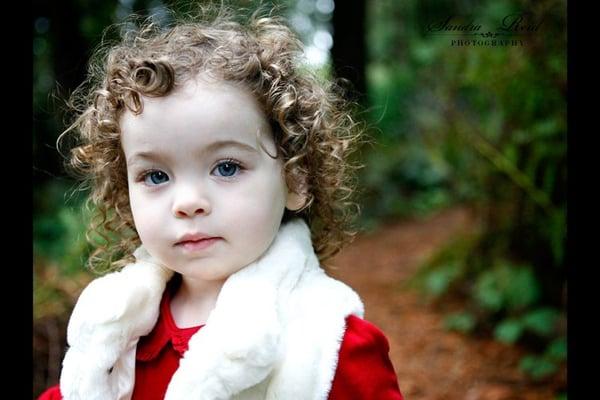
(192, 245)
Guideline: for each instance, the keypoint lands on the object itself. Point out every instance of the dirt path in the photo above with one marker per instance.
(430, 363)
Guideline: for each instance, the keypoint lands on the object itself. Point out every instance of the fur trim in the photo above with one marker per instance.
(274, 333)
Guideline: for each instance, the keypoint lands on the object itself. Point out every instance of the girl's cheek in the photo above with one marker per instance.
(141, 207)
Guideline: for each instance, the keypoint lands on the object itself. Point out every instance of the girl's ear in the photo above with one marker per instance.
(295, 201)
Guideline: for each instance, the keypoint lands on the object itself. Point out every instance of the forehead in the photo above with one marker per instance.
(199, 112)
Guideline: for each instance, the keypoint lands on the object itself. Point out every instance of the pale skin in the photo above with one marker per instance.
(182, 181)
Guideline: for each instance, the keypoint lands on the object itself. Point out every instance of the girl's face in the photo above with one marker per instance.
(195, 169)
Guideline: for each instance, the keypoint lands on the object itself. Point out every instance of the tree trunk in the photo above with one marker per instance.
(349, 51)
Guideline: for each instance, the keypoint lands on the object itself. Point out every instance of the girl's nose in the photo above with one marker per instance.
(189, 203)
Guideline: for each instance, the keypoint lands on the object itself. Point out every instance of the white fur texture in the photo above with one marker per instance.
(274, 333)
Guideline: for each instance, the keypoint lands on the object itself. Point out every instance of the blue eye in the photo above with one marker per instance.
(155, 178)
(228, 168)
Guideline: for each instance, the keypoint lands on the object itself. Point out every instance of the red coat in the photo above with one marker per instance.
(364, 369)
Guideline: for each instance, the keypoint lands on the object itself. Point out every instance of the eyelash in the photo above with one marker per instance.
(144, 174)
(231, 161)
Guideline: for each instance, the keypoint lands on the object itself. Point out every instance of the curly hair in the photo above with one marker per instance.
(311, 120)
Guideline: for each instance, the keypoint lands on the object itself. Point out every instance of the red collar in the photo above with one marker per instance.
(165, 331)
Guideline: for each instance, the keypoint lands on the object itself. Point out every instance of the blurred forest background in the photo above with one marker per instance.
(480, 127)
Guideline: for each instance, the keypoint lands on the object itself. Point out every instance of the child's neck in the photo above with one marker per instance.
(193, 301)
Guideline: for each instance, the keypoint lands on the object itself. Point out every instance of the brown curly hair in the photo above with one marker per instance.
(310, 119)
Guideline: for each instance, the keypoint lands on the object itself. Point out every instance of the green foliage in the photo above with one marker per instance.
(557, 350)
(48, 300)
(506, 286)
(556, 234)
(438, 281)
(541, 321)
(485, 126)
(462, 322)
(445, 269)
(60, 250)
(404, 181)
(509, 330)
(59, 231)
(538, 367)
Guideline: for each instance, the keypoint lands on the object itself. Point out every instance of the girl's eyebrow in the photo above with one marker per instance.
(229, 143)
(218, 144)
(143, 155)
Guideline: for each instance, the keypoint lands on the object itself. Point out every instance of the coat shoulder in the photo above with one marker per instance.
(52, 393)
(318, 293)
(363, 333)
(364, 369)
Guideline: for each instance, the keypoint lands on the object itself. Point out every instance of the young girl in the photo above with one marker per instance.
(221, 165)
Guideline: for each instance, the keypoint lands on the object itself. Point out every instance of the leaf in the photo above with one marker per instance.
(546, 127)
(522, 287)
(487, 291)
(439, 279)
(537, 367)
(462, 322)
(541, 321)
(509, 331)
(507, 286)
(557, 350)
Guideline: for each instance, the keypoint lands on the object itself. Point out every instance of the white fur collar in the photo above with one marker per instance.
(241, 345)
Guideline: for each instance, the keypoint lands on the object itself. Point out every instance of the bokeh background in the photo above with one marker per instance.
(461, 257)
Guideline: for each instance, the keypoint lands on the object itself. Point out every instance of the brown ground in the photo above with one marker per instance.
(430, 362)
